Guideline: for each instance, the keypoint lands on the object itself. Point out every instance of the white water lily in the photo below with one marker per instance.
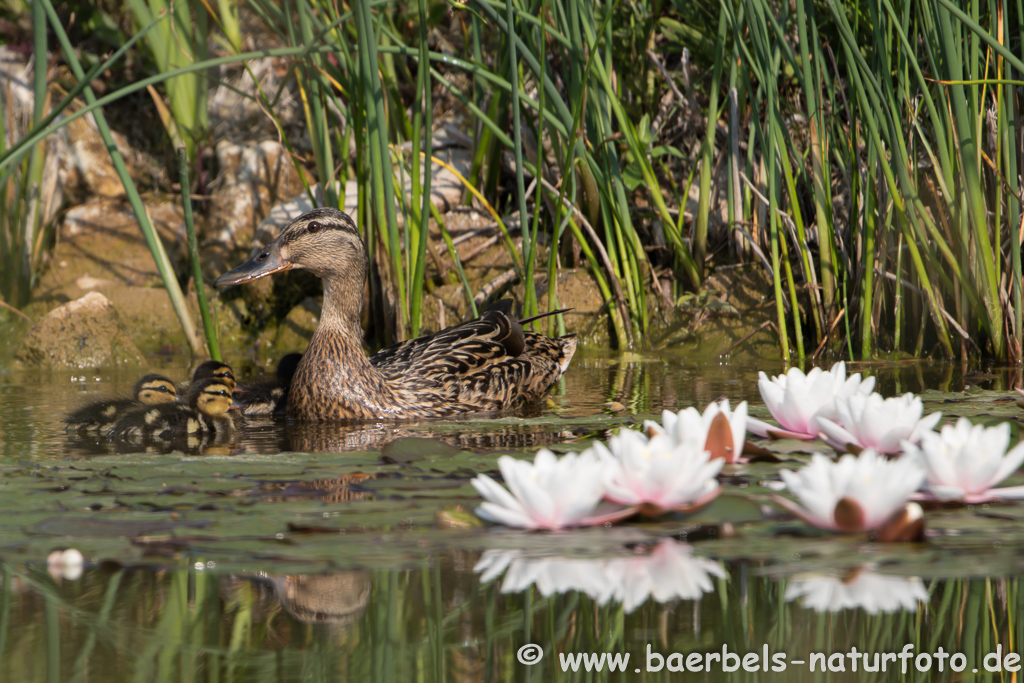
(875, 422)
(669, 571)
(660, 473)
(549, 493)
(797, 400)
(963, 462)
(857, 493)
(860, 589)
(723, 430)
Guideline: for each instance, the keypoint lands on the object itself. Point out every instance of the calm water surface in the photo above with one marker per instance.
(167, 594)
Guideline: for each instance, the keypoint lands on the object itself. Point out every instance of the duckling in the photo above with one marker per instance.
(485, 365)
(150, 390)
(267, 397)
(208, 401)
(211, 369)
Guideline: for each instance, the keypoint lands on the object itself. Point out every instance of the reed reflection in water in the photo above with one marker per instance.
(463, 616)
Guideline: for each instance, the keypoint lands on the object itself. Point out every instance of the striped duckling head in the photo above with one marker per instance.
(212, 396)
(215, 369)
(153, 389)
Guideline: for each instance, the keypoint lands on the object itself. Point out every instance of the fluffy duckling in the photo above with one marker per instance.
(211, 369)
(152, 389)
(267, 397)
(205, 413)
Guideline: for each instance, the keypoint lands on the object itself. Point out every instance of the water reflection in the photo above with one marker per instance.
(331, 599)
(669, 571)
(860, 588)
(438, 621)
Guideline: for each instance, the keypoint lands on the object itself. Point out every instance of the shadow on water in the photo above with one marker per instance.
(462, 617)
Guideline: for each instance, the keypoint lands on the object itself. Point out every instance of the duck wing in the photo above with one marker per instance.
(485, 365)
(458, 349)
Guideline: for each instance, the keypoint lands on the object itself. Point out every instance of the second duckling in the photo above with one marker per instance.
(152, 389)
(208, 402)
(268, 397)
(211, 369)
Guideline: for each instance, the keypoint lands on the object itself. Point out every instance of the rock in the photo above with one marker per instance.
(84, 333)
(444, 307)
(96, 176)
(102, 240)
(588, 318)
(253, 178)
(292, 334)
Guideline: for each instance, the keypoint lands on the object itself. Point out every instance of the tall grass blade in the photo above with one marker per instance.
(209, 326)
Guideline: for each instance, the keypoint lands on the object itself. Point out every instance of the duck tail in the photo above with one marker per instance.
(543, 315)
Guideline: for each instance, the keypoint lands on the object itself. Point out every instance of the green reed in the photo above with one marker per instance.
(209, 325)
(908, 120)
(879, 183)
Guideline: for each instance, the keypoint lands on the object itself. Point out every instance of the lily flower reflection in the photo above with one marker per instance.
(670, 571)
(860, 588)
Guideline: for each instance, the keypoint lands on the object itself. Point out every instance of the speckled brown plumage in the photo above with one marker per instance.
(485, 365)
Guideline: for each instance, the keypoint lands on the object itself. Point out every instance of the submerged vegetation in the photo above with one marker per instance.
(865, 154)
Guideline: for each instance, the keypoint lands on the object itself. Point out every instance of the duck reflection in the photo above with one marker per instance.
(669, 571)
(859, 588)
(336, 437)
(334, 600)
(332, 490)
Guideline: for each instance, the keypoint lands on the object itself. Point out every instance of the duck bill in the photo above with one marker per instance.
(267, 262)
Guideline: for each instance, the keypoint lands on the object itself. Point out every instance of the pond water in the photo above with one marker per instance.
(335, 553)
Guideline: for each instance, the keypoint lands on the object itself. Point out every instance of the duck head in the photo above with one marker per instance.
(325, 242)
(215, 369)
(155, 388)
(212, 397)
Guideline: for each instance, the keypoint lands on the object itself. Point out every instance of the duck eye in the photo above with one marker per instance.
(313, 227)
(263, 256)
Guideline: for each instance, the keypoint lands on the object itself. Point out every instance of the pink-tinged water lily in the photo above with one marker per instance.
(797, 400)
(875, 422)
(549, 493)
(724, 430)
(659, 474)
(866, 492)
(669, 571)
(861, 588)
(963, 462)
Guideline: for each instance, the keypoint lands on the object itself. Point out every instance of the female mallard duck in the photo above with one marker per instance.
(267, 397)
(485, 365)
(149, 390)
(208, 402)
